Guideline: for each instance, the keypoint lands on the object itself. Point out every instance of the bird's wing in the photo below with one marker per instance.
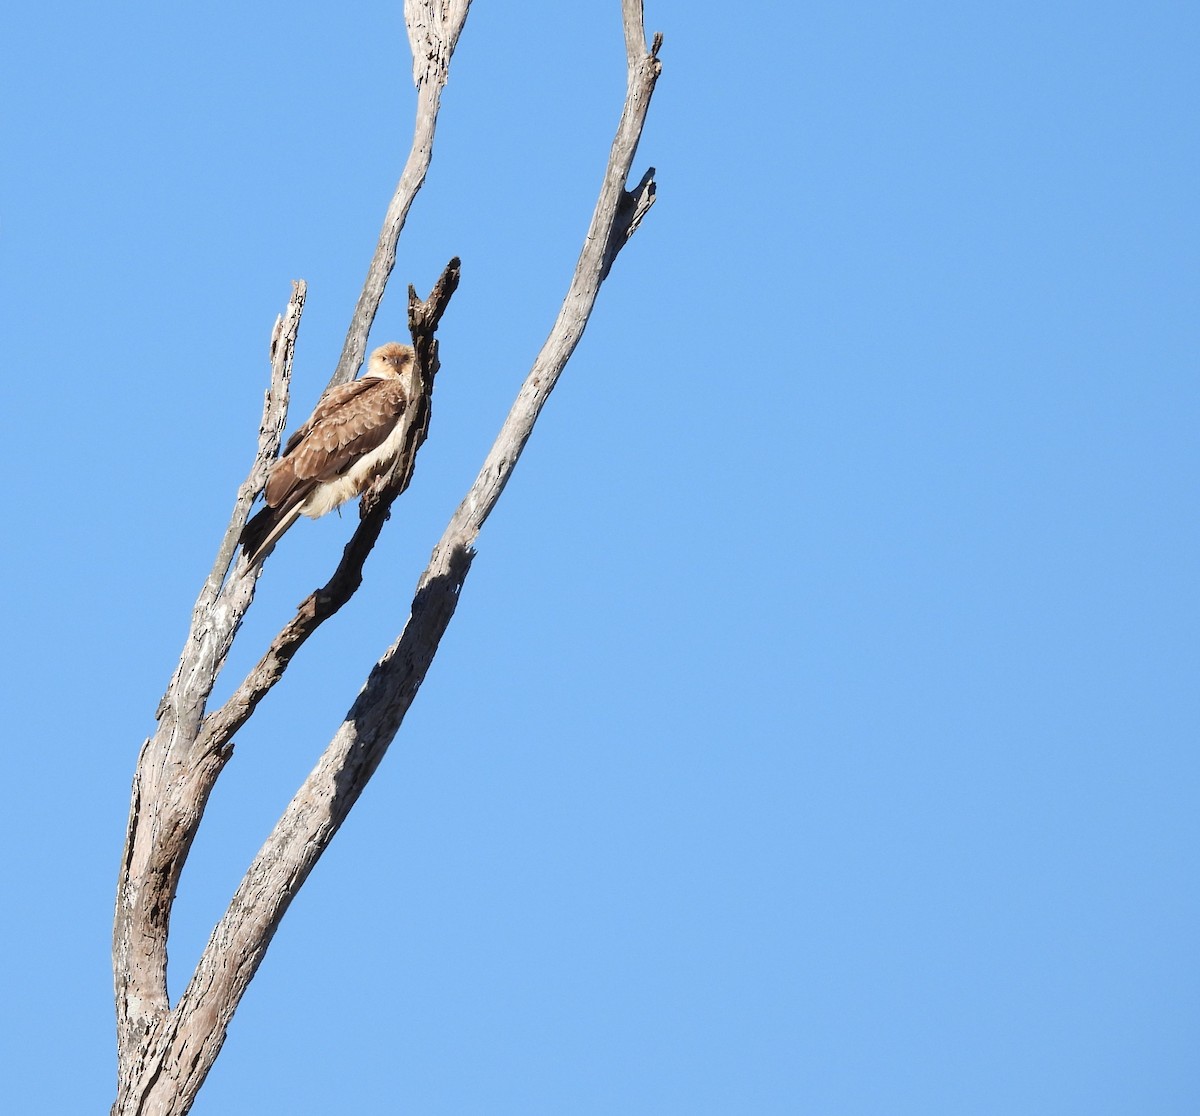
(348, 421)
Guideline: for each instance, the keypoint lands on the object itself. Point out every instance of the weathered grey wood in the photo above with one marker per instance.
(164, 1054)
(178, 766)
(335, 784)
(177, 1050)
(173, 778)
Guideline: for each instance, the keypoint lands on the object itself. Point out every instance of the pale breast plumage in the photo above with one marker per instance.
(345, 425)
(355, 432)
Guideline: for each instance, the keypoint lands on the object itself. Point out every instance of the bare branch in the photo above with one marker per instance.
(283, 348)
(240, 939)
(618, 213)
(323, 603)
(170, 1051)
(176, 768)
(434, 27)
(165, 1054)
(173, 780)
(634, 22)
(179, 765)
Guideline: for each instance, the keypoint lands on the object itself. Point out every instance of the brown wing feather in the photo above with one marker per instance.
(349, 420)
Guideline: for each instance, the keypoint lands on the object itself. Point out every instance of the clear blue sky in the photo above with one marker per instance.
(818, 729)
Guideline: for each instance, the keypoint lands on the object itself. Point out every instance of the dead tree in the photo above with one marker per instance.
(164, 1051)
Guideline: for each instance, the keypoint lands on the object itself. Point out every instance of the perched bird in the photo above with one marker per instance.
(354, 435)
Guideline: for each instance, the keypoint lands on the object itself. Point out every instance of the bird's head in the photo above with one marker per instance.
(392, 360)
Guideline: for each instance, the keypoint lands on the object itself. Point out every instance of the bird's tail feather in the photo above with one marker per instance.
(264, 529)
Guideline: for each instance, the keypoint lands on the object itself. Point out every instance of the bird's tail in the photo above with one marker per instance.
(264, 529)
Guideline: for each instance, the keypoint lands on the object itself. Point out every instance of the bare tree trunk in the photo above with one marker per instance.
(164, 1053)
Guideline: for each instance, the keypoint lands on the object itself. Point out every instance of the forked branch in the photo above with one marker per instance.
(331, 789)
(164, 1053)
(173, 778)
(178, 766)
